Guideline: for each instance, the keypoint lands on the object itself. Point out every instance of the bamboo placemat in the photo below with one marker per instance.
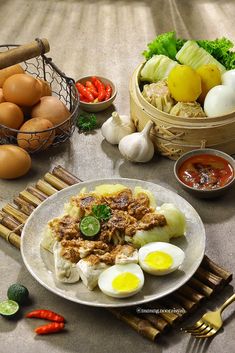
(208, 279)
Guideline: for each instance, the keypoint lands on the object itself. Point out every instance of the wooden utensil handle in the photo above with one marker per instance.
(24, 52)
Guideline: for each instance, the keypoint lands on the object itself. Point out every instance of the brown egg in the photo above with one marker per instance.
(11, 115)
(38, 138)
(9, 71)
(46, 88)
(22, 89)
(2, 99)
(14, 162)
(51, 108)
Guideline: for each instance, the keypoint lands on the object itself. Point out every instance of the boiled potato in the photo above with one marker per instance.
(14, 162)
(184, 83)
(34, 141)
(109, 189)
(210, 77)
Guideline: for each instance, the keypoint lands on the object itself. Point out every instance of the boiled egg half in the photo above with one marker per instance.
(121, 281)
(160, 258)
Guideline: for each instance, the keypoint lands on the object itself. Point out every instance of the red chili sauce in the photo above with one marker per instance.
(205, 171)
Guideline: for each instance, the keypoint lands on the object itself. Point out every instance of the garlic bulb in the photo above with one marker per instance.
(138, 146)
(116, 127)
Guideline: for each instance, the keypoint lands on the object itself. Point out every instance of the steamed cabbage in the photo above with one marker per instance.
(175, 227)
(157, 68)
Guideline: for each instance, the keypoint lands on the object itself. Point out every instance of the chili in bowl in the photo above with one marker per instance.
(96, 93)
(205, 173)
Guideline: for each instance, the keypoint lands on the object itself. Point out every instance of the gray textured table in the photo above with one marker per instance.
(107, 38)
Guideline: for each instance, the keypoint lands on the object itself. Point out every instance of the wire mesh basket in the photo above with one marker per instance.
(62, 87)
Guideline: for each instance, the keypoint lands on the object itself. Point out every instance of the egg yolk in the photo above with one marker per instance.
(125, 282)
(159, 260)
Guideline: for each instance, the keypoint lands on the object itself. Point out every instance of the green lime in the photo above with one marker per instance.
(89, 226)
(18, 293)
(8, 307)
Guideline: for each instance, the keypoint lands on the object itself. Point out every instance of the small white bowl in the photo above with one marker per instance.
(99, 106)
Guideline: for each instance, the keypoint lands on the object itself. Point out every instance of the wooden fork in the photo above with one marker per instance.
(210, 322)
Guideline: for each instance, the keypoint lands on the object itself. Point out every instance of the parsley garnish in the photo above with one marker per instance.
(87, 122)
(102, 212)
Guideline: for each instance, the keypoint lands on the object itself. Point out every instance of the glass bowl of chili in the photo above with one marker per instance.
(97, 93)
(205, 173)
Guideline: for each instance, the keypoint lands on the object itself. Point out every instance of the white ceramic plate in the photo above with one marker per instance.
(39, 262)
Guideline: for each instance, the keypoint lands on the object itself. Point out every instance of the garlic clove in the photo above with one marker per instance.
(138, 147)
(116, 127)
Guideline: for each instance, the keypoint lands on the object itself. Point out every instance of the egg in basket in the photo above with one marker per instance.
(38, 102)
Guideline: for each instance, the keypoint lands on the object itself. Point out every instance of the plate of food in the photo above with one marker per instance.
(113, 242)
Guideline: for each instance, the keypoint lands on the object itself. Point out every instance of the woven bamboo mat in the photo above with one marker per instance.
(208, 279)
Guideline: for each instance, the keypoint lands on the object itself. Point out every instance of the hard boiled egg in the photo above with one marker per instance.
(14, 162)
(121, 281)
(160, 258)
(219, 100)
(228, 79)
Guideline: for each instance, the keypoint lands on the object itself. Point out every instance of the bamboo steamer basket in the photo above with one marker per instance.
(172, 135)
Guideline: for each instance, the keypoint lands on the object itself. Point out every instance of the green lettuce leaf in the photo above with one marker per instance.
(164, 44)
(168, 44)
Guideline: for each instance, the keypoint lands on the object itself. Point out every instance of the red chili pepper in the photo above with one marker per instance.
(46, 314)
(91, 88)
(108, 90)
(50, 328)
(82, 90)
(83, 99)
(100, 87)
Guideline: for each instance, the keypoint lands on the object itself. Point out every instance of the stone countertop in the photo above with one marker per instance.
(107, 38)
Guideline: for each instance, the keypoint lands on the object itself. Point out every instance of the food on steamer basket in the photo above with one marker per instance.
(128, 220)
(159, 96)
(188, 109)
(36, 137)
(9, 71)
(219, 100)
(157, 68)
(160, 258)
(207, 58)
(184, 84)
(22, 89)
(51, 108)
(11, 115)
(210, 77)
(14, 162)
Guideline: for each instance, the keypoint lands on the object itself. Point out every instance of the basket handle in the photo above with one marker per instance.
(24, 52)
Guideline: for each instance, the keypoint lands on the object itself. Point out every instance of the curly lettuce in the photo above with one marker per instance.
(168, 44)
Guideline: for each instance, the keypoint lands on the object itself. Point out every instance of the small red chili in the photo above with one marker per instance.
(100, 88)
(91, 88)
(52, 327)
(108, 91)
(82, 90)
(46, 314)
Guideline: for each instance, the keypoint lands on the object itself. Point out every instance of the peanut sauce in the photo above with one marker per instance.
(206, 172)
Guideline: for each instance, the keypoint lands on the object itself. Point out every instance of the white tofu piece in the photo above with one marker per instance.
(65, 270)
(89, 273)
(126, 255)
